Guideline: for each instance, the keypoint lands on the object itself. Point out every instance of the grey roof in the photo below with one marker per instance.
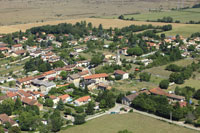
(74, 76)
(43, 83)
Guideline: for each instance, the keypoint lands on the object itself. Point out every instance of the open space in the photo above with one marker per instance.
(182, 15)
(133, 122)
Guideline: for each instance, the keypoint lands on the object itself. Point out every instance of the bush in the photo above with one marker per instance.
(118, 77)
(145, 76)
(164, 84)
(79, 119)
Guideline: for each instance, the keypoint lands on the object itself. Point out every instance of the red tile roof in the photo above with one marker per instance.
(11, 94)
(20, 52)
(25, 79)
(52, 97)
(5, 118)
(94, 76)
(4, 48)
(182, 104)
(22, 92)
(17, 45)
(158, 91)
(63, 97)
(49, 72)
(83, 99)
(120, 72)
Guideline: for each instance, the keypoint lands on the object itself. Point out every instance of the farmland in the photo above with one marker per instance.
(182, 29)
(182, 15)
(133, 122)
(29, 11)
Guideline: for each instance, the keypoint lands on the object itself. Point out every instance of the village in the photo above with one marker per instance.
(77, 75)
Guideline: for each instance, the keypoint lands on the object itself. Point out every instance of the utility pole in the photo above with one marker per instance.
(171, 116)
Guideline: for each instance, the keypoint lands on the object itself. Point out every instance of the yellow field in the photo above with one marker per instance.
(182, 29)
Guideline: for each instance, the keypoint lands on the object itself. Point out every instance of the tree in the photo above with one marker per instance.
(145, 76)
(102, 104)
(18, 104)
(191, 48)
(56, 121)
(48, 102)
(90, 108)
(96, 60)
(79, 109)
(11, 83)
(135, 51)
(63, 74)
(14, 129)
(58, 64)
(164, 84)
(79, 119)
(60, 105)
(197, 95)
(119, 98)
(7, 106)
(121, 17)
(118, 77)
(125, 131)
(68, 111)
(27, 121)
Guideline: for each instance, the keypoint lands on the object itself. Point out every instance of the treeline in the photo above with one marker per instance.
(196, 6)
(64, 28)
(182, 73)
(159, 105)
(197, 34)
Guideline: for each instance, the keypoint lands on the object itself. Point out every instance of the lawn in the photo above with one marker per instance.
(134, 122)
(181, 15)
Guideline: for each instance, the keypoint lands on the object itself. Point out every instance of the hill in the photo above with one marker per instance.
(27, 11)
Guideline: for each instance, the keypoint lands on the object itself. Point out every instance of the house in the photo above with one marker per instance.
(17, 47)
(75, 79)
(4, 118)
(102, 86)
(84, 73)
(24, 81)
(24, 94)
(4, 50)
(171, 97)
(50, 37)
(55, 99)
(98, 78)
(31, 102)
(124, 51)
(12, 95)
(44, 85)
(65, 98)
(83, 63)
(121, 73)
(49, 74)
(2, 98)
(127, 100)
(19, 53)
(82, 100)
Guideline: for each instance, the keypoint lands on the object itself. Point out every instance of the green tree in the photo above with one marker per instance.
(125, 131)
(164, 84)
(90, 108)
(18, 104)
(63, 74)
(7, 106)
(48, 102)
(79, 109)
(68, 111)
(144, 76)
(28, 121)
(56, 121)
(60, 105)
(79, 119)
(14, 129)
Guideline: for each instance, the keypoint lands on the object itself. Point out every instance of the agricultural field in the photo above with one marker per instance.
(183, 29)
(29, 11)
(182, 15)
(134, 122)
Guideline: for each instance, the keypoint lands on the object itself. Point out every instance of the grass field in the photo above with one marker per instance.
(133, 122)
(181, 15)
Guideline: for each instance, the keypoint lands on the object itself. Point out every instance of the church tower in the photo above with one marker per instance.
(118, 61)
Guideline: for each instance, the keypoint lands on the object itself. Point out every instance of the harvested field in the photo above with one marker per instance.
(182, 29)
